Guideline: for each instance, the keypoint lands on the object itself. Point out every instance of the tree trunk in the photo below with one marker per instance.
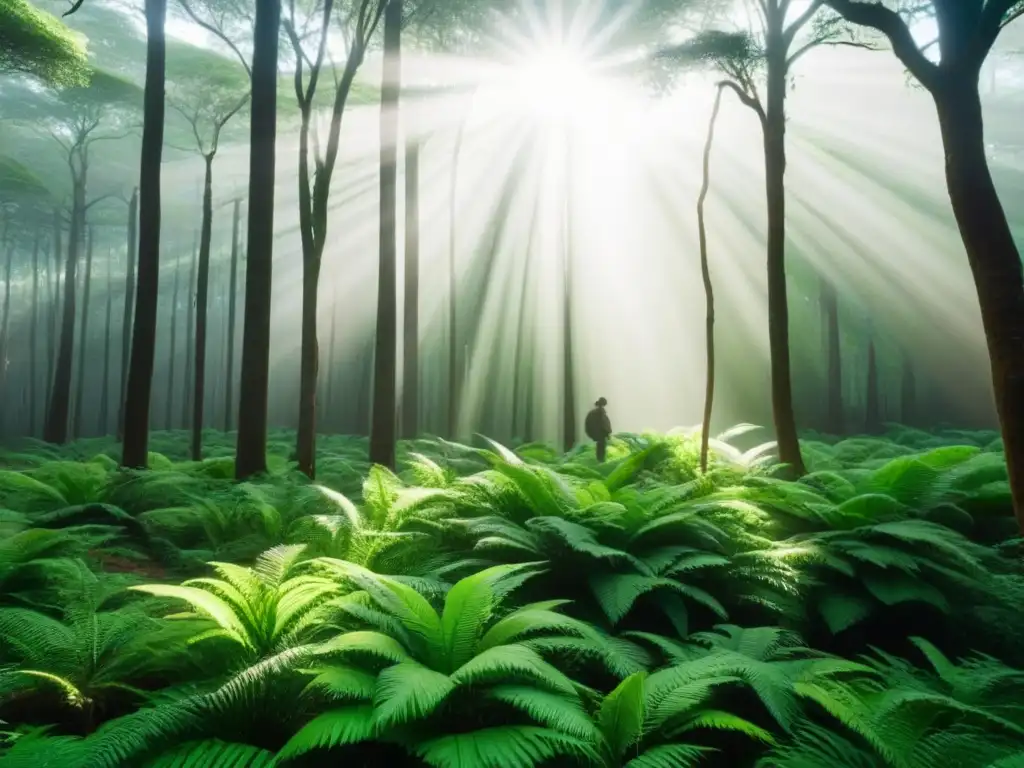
(202, 294)
(709, 292)
(382, 429)
(129, 304)
(229, 379)
(140, 373)
(83, 339)
(172, 352)
(251, 454)
(190, 314)
(309, 345)
(908, 393)
(454, 381)
(53, 308)
(56, 427)
(33, 339)
(105, 389)
(778, 303)
(411, 330)
(568, 379)
(830, 306)
(994, 259)
(872, 407)
(331, 362)
(5, 319)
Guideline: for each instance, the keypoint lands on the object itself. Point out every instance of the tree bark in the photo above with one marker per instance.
(778, 303)
(872, 406)
(5, 319)
(53, 307)
(56, 428)
(33, 339)
(382, 430)
(411, 330)
(190, 338)
(994, 259)
(309, 347)
(202, 294)
(83, 339)
(129, 304)
(830, 306)
(229, 378)
(331, 362)
(172, 352)
(251, 452)
(709, 291)
(140, 373)
(908, 393)
(104, 415)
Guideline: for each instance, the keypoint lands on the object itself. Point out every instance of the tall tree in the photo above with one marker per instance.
(83, 336)
(140, 372)
(5, 317)
(872, 403)
(172, 353)
(411, 315)
(129, 304)
(190, 316)
(33, 379)
(229, 377)
(52, 315)
(967, 31)
(382, 428)
(454, 379)
(80, 116)
(251, 454)
(834, 357)
(103, 420)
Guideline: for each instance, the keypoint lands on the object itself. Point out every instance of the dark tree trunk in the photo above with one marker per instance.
(778, 303)
(568, 377)
(994, 259)
(411, 330)
(830, 307)
(83, 339)
(454, 380)
(5, 319)
(202, 293)
(56, 427)
(331, 361)
(309, 368)
(33, 340)
(172, 352)
(872, 406)
(229, 378)
(382, 429)
(104, 416)
(129, 304)
(190, 314)
(251, 455)
(140, 373)
(908, 393)
(709, 292)
(53, 308)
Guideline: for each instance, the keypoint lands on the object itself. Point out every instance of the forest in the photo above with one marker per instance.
(304, 310)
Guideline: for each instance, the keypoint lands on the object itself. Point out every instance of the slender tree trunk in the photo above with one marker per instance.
(229, 378)
(382, 429)
(411, 335)
(202, 293)
(56, 428)
(331, 361)
(309, 349)
(778, 303)
(129, 304)
(172, 353)
(5, 320)
(104, 417)
(568, 378)
(251, 456)
(872, 406)
(709, 292)
(908, 393)
(995, 262)
(190, 314)
(83, 339)
(454, 381)
(830, 302)
(140, 373)
(54, 307)
(33, 340)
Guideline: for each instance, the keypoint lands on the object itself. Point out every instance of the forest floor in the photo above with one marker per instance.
(492, 608)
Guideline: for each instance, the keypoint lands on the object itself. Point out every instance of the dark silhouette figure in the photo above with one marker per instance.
(598, 427)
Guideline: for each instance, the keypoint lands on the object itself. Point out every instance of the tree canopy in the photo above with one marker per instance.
(36, 43)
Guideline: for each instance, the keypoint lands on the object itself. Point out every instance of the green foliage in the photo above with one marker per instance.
(514, 608)
(35, 43)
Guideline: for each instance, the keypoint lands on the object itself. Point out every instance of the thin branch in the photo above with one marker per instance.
(216, 31)
(99, 199)
(831, 43)
(790, 32)
(752, 102)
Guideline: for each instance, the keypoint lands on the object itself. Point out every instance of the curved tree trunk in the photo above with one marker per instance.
(105, 389)
(129, 304)
(382, 428)
(995, 262)
(56, 428)
(251, 451)
(309, 345)
(778, 302)
(202, 294)
(140, 372)
(411, 330)
(83, 339)
(229, 377)
(709, 292)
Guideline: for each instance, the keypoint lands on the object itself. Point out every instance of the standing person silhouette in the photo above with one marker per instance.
(599, 427)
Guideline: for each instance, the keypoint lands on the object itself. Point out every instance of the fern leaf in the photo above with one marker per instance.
(622, 713)
(507, 746)
(336, 728)
(407, 692)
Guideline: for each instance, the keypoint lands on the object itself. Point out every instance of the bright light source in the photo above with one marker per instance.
(554, 83)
